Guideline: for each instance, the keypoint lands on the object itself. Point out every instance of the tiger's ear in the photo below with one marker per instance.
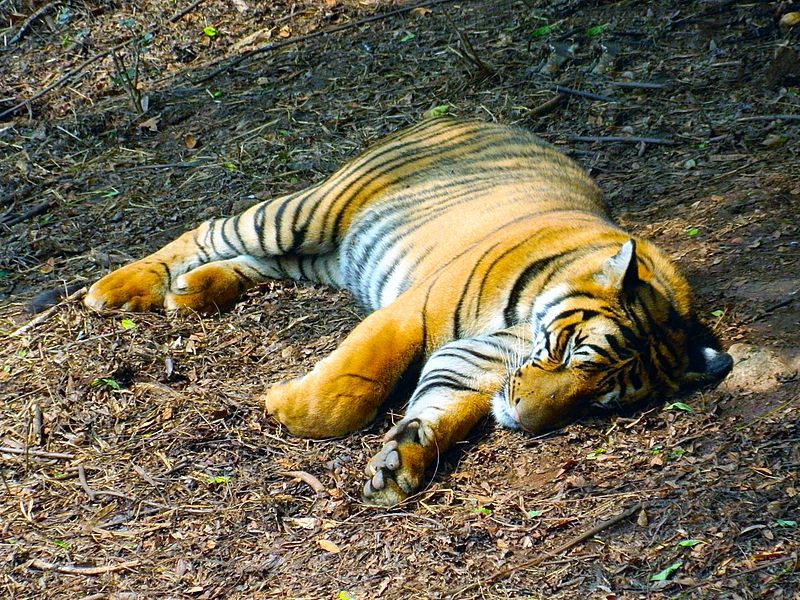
(621, 271)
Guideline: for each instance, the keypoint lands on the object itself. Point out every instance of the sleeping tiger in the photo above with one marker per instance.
(480, 250)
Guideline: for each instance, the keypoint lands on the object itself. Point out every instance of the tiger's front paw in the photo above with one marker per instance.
(139, 287)
(396, 471)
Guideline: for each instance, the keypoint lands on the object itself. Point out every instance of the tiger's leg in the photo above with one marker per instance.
(454, 392)
(344, 390)
(275, 228)
(216, 285)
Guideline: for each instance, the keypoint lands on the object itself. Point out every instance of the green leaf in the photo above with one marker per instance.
(438, 111)
(483, 510)
(346, 596)
(127, 324)
(534, 513)
(216, 94)
(689, 543)
(229, 166)
(666, 573)
(675, 454)
(111, 194)
(210, 31)
(785, 523)
(596, 453)
(542, 31)
(408, 36)
(679, 406)
(60, 543)
(293, 180)
(717, 313)
(129, 23)
(596, 30)
(105, 382)
(692, 231)
(218, 479)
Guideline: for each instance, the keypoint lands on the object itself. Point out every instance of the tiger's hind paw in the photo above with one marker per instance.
(206, 289)
(396, 471)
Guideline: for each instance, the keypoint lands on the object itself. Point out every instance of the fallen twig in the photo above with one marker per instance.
(791, 297)
(503, 573)
(268, 47)
(770, 118)
(34, 212)
(36, 453)
(621, 138)
(639, 84)
(549, 106)
(307, 478)
(93, 494)
(591, 96)
(46, 314)
(72, 570)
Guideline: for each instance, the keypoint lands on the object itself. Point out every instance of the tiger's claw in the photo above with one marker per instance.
(396, 471)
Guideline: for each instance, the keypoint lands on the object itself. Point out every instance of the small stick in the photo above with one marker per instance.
(307, 478)
(621, 138)
(549, 106)
(310, 36)
(46, 314)
(94, 494)
(71, 570)
(84, 483)
(36, 453)
(770, 118)
(639, 84)
(566, 90)
(503, 573)
(34, 212)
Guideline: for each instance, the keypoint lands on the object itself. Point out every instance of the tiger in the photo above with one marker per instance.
(479, 252)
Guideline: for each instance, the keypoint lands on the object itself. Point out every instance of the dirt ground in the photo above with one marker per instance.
(135, 463)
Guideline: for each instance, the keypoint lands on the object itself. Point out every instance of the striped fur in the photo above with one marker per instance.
(475, 247)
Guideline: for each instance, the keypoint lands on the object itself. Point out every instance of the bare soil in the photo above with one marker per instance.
(135, 463)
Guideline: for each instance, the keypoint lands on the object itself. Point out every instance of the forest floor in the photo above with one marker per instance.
(135, 463)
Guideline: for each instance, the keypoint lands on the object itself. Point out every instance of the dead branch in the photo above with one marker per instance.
(72, 570)
(639, 84)
(621, 138)
(36, 453)
(770, 118)
(46, 314)
(269, 47)
(34, 212)
(503, 573)
(547, 107)
(581, 93)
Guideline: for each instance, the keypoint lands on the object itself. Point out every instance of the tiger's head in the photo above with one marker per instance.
(615, 330)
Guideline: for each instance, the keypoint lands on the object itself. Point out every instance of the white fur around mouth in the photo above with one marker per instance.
(502, 411)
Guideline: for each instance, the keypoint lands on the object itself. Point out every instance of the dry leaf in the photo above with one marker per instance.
(48, 266)
(190, 141)
(790, 19)
(285, 31)
(151, 123)
(328, 546)
(422, 10)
